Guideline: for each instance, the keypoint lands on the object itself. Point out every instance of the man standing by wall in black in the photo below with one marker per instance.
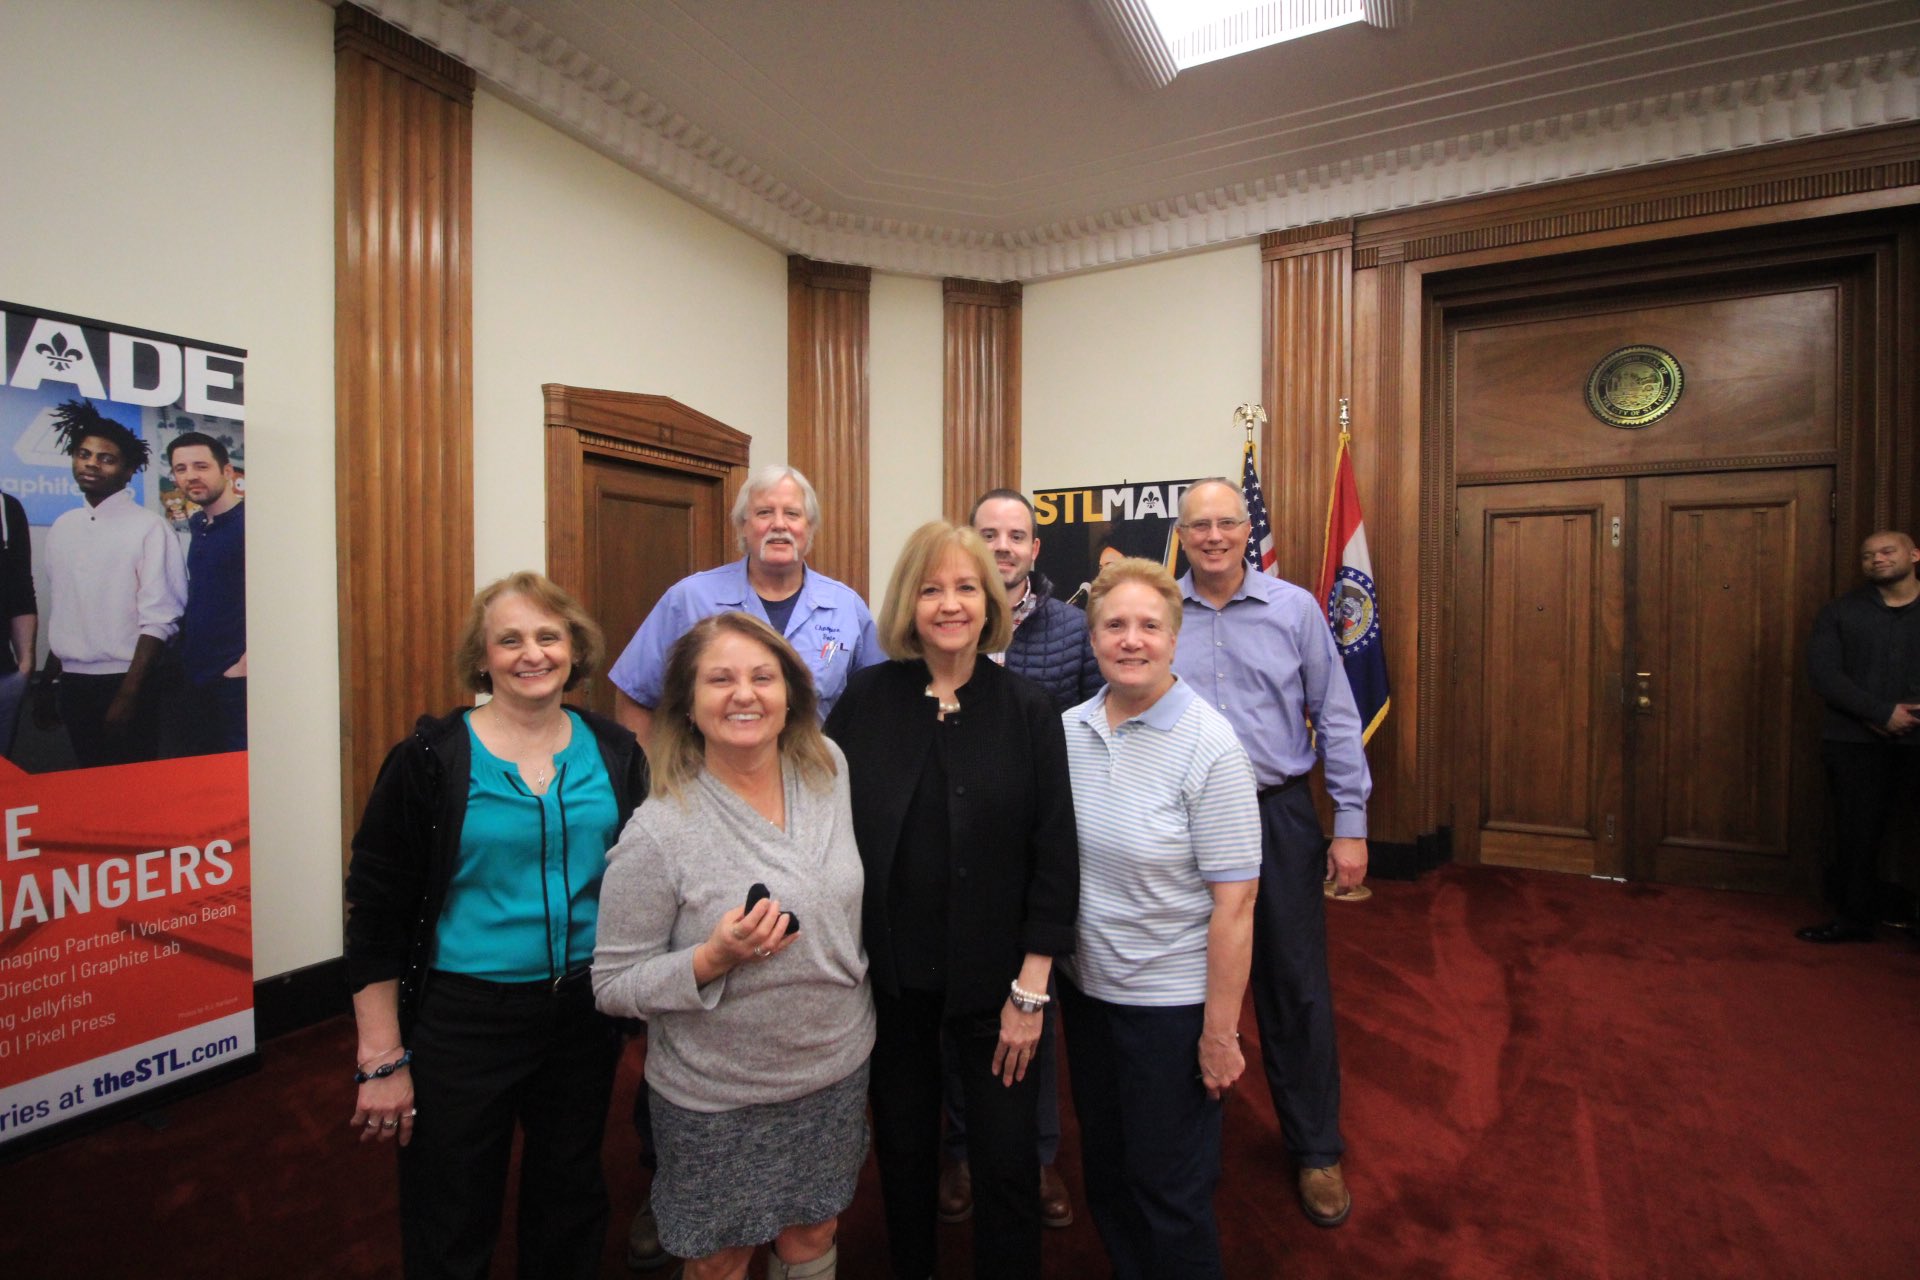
(213, 631)
(1864, 659)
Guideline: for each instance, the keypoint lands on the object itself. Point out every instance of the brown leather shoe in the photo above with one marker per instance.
(1056, 1206)
(956, 1193)
(1324, 1196)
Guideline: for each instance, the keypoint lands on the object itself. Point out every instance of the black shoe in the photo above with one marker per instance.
(1834, 931)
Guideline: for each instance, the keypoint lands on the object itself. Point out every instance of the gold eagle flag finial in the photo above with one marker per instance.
(1249, 415)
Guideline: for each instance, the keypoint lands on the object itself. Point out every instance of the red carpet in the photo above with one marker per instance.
(1545, 1077)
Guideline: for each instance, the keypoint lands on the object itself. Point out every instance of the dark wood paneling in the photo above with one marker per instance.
(1542, 587)
(1870, 169)
(1730, 570)
(646, 527)
(827, 406)
(981, 411)
(1761, 377)
(638, 487)
(403, 351)
(1307, 322)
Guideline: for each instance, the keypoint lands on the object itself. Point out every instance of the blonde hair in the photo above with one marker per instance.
(589, 645)
(678, 751)
(1148, 573)
(925, 548)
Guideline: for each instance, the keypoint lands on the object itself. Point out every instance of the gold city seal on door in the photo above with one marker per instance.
(1634, 386)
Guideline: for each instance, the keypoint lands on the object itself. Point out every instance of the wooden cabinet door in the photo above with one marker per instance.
(644, 528)
(1729, 571)
(1541, 608)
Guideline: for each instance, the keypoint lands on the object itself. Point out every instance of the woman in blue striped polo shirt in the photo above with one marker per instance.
(1163, 797)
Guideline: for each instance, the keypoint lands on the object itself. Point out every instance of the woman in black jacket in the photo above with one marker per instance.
(472, 900)
(965, 824)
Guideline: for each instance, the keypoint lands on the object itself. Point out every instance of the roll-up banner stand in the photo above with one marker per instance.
(126, 923)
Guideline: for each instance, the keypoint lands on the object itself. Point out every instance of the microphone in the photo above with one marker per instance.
(1080, 597)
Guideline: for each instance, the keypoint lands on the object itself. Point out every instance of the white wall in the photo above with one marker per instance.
(906, 370)
(171, 167)
(586, 274)
(1133, 374)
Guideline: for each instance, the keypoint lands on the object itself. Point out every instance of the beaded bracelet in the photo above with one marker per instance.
(382, 1072)
(1028, 1001)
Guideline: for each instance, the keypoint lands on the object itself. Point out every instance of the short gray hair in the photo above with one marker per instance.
(761, 481)
(1238, 496)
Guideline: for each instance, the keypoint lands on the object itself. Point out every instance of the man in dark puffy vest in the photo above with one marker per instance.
(1049, 647)
(1050, 643)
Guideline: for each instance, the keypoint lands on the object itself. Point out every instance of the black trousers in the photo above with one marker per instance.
(1149, 1136)
(1001, 1131)
(1046, 1065)
(1292, 997)
(485, 1056)
(1866, 781)
(83, 703)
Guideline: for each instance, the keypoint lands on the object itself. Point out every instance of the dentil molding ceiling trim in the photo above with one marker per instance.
(983, 237)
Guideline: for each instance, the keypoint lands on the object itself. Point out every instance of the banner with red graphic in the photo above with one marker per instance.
(126, 924)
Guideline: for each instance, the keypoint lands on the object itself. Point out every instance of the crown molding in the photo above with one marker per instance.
(530, 66)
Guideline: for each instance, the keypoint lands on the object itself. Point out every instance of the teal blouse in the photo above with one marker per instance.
(525, 893)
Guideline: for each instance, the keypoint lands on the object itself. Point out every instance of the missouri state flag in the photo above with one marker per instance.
(1347, 593)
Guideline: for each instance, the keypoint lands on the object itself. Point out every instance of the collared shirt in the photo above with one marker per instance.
(830, 629)
(1268, 663)
(114, 574)
(1165, 806)
(213, 631)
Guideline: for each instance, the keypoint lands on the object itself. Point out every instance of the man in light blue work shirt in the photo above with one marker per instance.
(827, 624)
(1261, 652)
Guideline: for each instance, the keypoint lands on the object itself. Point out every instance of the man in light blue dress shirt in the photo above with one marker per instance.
(826, 622)
(1261, 652)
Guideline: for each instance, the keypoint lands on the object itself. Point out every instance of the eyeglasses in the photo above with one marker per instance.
(1205, 527)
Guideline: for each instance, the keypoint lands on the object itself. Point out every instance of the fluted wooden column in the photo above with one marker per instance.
(827, 406)
(403, 344)
(1305, 367)
(982, 401)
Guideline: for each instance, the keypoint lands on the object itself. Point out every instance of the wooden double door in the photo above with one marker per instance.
(1630, 675)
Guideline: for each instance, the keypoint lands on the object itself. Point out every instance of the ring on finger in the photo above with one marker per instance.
(762, 952)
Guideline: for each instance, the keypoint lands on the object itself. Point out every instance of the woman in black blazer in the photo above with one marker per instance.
(964, 818)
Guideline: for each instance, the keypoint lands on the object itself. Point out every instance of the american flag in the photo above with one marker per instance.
(1260, 556)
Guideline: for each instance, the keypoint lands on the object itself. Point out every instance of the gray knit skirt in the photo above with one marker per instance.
(734, 1178)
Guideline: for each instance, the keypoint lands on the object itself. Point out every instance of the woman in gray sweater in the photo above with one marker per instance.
(759, 1027)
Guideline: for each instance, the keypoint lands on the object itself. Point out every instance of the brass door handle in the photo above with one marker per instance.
(1643, 692)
